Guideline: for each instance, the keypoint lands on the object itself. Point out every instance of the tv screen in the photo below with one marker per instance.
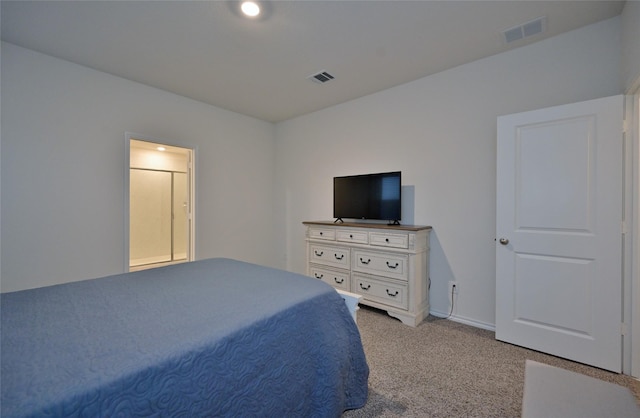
(367, 196)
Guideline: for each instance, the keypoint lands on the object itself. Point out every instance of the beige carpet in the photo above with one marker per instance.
(446, 369)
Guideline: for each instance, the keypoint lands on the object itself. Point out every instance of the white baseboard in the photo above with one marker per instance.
(463, 320)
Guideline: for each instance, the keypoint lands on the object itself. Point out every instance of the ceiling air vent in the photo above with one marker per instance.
(321, 77)
(525, 30)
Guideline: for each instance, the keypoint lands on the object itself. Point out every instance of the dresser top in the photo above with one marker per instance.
(369, 225)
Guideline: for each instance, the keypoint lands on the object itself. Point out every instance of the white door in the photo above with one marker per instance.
(558, 229)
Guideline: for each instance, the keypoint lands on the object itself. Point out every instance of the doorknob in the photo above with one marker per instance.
(504, 241)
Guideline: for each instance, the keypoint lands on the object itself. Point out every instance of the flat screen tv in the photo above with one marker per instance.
(368, 196)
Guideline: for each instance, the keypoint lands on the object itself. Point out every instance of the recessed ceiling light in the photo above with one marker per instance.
(250, 8)
(161, 149)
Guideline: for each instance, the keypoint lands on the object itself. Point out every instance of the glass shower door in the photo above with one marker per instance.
(150, 211)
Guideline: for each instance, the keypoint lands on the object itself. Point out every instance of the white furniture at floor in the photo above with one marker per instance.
(387, 264)
(351, 300)
(554, 392)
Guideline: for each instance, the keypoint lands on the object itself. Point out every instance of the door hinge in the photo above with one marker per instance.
(623, 228)
(623, 329)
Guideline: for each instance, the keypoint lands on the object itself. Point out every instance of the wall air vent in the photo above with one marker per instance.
(525, 30)
(321, 77)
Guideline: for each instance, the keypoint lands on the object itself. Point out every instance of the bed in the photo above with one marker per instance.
(216, 337)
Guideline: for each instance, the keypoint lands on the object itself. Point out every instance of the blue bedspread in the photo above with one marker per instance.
(214, 337)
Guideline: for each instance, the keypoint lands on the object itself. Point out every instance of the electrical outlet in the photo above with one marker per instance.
(453, 287)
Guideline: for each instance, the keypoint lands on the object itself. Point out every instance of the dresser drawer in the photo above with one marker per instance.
(381, 264)
(330, 256)
(337, 279)
(389, 240)
(389, 293)
(322, 233)
(358, 237)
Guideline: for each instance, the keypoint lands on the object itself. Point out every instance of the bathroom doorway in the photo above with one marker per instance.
(160, 203)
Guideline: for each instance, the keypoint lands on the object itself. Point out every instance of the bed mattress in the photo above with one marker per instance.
(215, 337)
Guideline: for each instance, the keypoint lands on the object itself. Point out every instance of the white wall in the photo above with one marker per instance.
(63, 167)
(63, 161)
(441, 132)
(631, 46)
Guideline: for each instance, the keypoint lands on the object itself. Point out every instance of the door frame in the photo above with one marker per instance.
(630, 266)
(632, 314)
(128, 136)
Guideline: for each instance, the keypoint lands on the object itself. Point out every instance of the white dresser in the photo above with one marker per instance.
(387, 264)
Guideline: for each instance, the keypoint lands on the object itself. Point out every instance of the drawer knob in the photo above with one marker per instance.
(392, 267)
(321, 233)
(365, 262)
(338, 281)
(339, 258)
(392, 294)
(318, 276)
(350, 235)
(386, 240)
(365, 288)
(318, 254)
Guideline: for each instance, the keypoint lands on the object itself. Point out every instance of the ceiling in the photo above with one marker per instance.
(206, 51)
